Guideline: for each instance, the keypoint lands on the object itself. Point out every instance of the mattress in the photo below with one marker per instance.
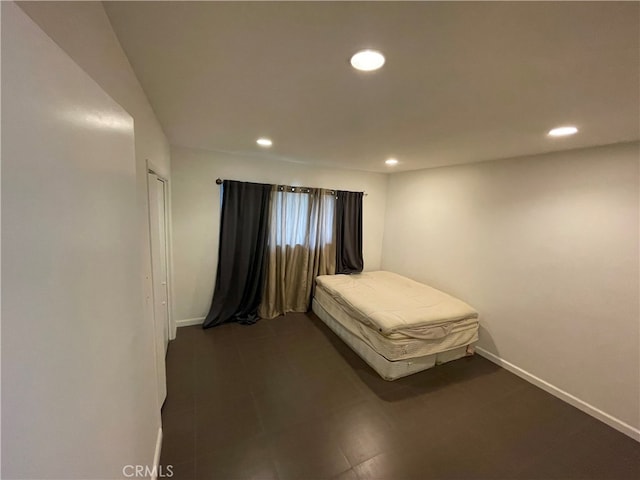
(397, 346)
(396, 306)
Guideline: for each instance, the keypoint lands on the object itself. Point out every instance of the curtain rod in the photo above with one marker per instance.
(291, 188)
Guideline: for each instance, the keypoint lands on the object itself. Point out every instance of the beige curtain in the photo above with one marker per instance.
(301, 247)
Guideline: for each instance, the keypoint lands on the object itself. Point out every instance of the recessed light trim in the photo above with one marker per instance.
(562, 131)
(391, 161)
(367, 60)
(264, 142)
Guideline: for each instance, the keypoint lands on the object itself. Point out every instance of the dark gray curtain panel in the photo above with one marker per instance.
(242, 251)
(349, 232)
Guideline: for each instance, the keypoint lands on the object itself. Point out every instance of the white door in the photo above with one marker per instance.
(158, 235)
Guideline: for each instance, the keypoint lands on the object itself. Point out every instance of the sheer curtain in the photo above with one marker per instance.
(301, 246)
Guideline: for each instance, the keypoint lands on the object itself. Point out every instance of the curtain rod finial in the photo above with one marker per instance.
(218, 181)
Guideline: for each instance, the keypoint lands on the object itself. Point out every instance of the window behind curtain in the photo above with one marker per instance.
(301, 247)
(304, 218)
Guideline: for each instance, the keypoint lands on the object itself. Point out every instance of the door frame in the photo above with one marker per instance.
(152, 169)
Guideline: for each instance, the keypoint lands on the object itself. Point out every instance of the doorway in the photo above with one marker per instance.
(158, 194)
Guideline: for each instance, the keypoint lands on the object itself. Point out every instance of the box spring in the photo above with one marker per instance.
(387, 369)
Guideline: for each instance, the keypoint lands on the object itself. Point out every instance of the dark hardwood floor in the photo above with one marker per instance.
(286, 399)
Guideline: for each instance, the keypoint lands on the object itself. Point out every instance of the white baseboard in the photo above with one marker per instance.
(187, 322)
(156, 455)
(562, 395)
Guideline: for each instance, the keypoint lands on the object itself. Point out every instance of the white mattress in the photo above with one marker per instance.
(388, 370)
(398, 346)
(395, 305)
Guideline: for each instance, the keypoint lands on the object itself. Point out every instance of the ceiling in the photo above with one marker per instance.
(463, 82)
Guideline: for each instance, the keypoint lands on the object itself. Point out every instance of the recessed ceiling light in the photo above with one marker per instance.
(391, 161)
(367, 60)
(264, 142)
(562, 131)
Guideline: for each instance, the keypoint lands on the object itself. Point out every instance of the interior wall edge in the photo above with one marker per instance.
(156, 455)
(540, 155)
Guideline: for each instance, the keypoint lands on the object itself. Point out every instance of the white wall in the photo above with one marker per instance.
(196, 213)
(83, 31)
(78, 376)
(546, 248)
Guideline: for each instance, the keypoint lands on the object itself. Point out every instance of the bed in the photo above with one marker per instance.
(397, 325)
